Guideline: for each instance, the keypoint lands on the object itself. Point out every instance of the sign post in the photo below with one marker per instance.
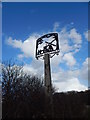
(46, 49)
(47, 73)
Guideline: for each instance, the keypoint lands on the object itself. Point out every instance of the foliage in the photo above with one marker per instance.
(23, 96)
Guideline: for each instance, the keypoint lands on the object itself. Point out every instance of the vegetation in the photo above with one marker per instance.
(23, 96)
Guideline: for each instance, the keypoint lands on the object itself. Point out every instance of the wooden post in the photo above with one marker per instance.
(47, 74)
(48, 85)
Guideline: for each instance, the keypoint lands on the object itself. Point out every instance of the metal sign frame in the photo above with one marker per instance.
(48, 48)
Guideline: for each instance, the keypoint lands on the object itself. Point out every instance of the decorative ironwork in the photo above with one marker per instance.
(48, 46)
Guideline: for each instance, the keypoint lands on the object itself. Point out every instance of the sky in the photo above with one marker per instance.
(0, 30)
(23, 23)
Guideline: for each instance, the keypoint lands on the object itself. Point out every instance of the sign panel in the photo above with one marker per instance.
(47, 44)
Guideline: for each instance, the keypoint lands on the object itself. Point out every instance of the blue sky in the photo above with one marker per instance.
(0, 31)
(24, 22)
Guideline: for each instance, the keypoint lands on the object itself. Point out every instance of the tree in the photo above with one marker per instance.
(22, 94)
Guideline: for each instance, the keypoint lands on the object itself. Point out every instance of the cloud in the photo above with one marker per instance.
(27, 47)
(72, 23)
(69, 85)
(62, 80)
(21, 56)
(87, 35)
(68, 80)
(56, 26)
(36, 67)
(75, 36)
(64, 75)
(15, 43)
(29, 69)
(70, 42)
(85, 70)
(69, 59)
(56, 60)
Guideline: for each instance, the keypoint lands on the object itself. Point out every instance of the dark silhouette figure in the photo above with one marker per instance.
(50, 48)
